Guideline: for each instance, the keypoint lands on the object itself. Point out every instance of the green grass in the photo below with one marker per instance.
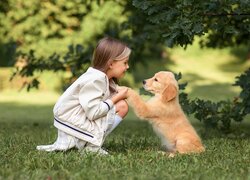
(26, 120)
(133, 147)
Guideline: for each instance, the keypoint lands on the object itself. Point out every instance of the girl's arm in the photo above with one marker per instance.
(91, 99)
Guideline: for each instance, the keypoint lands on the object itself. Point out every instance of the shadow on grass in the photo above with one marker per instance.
(214, 92)
(233, 66)
(132, 135)
(241, 55)
(191, 77)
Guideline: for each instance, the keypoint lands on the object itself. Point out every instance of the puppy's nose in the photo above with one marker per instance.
(143, 82)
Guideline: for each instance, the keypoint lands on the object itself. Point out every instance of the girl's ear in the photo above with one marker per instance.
(110, 64)
(169, 93)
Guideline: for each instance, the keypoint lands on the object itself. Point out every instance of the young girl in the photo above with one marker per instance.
(93, 105)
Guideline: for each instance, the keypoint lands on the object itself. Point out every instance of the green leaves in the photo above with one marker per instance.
(179, 21)
(76, 61)
(49, 26)
(243, 81)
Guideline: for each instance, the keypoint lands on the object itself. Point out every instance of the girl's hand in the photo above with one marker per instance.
(121, 94)
(120, 88)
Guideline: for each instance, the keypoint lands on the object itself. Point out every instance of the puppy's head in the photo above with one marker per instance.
(162, 83)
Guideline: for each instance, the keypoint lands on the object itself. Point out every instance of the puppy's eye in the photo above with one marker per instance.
(156, 79)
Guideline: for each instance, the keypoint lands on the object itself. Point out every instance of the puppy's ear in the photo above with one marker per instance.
(169, 93)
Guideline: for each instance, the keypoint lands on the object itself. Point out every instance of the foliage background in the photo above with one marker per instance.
(56, 38)
(147, 26)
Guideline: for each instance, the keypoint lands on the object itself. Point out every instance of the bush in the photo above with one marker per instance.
(219, 114)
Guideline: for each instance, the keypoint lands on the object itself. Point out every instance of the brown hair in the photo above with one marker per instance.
(107, 50)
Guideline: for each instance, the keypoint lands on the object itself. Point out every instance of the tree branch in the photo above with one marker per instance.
(226, 14)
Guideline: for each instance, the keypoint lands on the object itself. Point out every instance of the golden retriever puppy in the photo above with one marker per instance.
(166, 115)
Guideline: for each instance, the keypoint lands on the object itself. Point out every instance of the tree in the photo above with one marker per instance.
(50, 26)
(224, 23)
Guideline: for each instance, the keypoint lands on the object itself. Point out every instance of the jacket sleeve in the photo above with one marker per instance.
(91, 99)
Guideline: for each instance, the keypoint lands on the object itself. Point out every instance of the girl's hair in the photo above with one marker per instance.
(107, 50)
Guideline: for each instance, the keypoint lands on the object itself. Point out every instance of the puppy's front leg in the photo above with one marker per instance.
(141, 108)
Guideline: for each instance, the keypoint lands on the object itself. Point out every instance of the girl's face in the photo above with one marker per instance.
(117, 69)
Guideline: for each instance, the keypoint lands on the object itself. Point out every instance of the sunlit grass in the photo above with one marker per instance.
(208, 67)
(209, 73)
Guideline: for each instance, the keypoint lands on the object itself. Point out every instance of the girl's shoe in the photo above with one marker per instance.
(64, 142)
(95, 149)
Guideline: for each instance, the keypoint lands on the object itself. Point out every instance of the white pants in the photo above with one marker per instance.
(65, 141)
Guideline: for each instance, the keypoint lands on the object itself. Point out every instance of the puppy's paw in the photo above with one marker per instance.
(171, 155)
(131, 94)
(130, 91)
(168, 154)
(162, 153)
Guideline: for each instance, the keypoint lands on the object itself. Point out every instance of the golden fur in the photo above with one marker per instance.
(165, 113)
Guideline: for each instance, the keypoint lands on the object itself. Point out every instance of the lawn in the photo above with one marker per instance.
(26, 121)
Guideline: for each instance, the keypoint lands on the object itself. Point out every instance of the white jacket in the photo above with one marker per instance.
(82, 109)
